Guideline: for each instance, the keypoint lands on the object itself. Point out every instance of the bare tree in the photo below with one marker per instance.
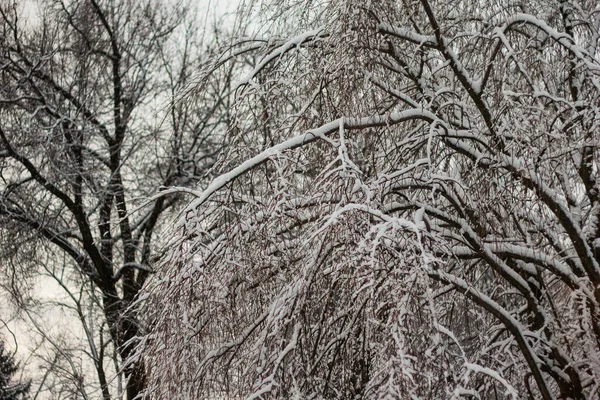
(409, 209)
(84, 143)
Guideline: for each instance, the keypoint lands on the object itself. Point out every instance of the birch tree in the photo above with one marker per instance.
(409, 209)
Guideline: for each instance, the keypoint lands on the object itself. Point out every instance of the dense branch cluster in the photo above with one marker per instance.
(86, 138)
(10, 389)
(410, 210)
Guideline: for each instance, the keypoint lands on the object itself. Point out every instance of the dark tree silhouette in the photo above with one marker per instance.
(86, 134)
(9, 389)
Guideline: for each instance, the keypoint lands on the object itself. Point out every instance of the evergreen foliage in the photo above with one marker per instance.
(9, 388)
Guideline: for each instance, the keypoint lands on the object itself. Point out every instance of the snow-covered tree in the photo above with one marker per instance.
(409, 209)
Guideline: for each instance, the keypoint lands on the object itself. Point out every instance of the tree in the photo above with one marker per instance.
(409, 209)
(85, 143)
(9, 390)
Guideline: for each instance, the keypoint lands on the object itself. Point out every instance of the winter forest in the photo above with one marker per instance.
(299, 199)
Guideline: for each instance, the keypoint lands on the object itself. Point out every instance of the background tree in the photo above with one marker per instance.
(409, 209)
(84, 143)
(9, 390)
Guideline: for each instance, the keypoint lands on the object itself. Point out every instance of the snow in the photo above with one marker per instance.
(446, 250)
(298, 141)
(414, 37)
(510, 390)
(278, 52)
